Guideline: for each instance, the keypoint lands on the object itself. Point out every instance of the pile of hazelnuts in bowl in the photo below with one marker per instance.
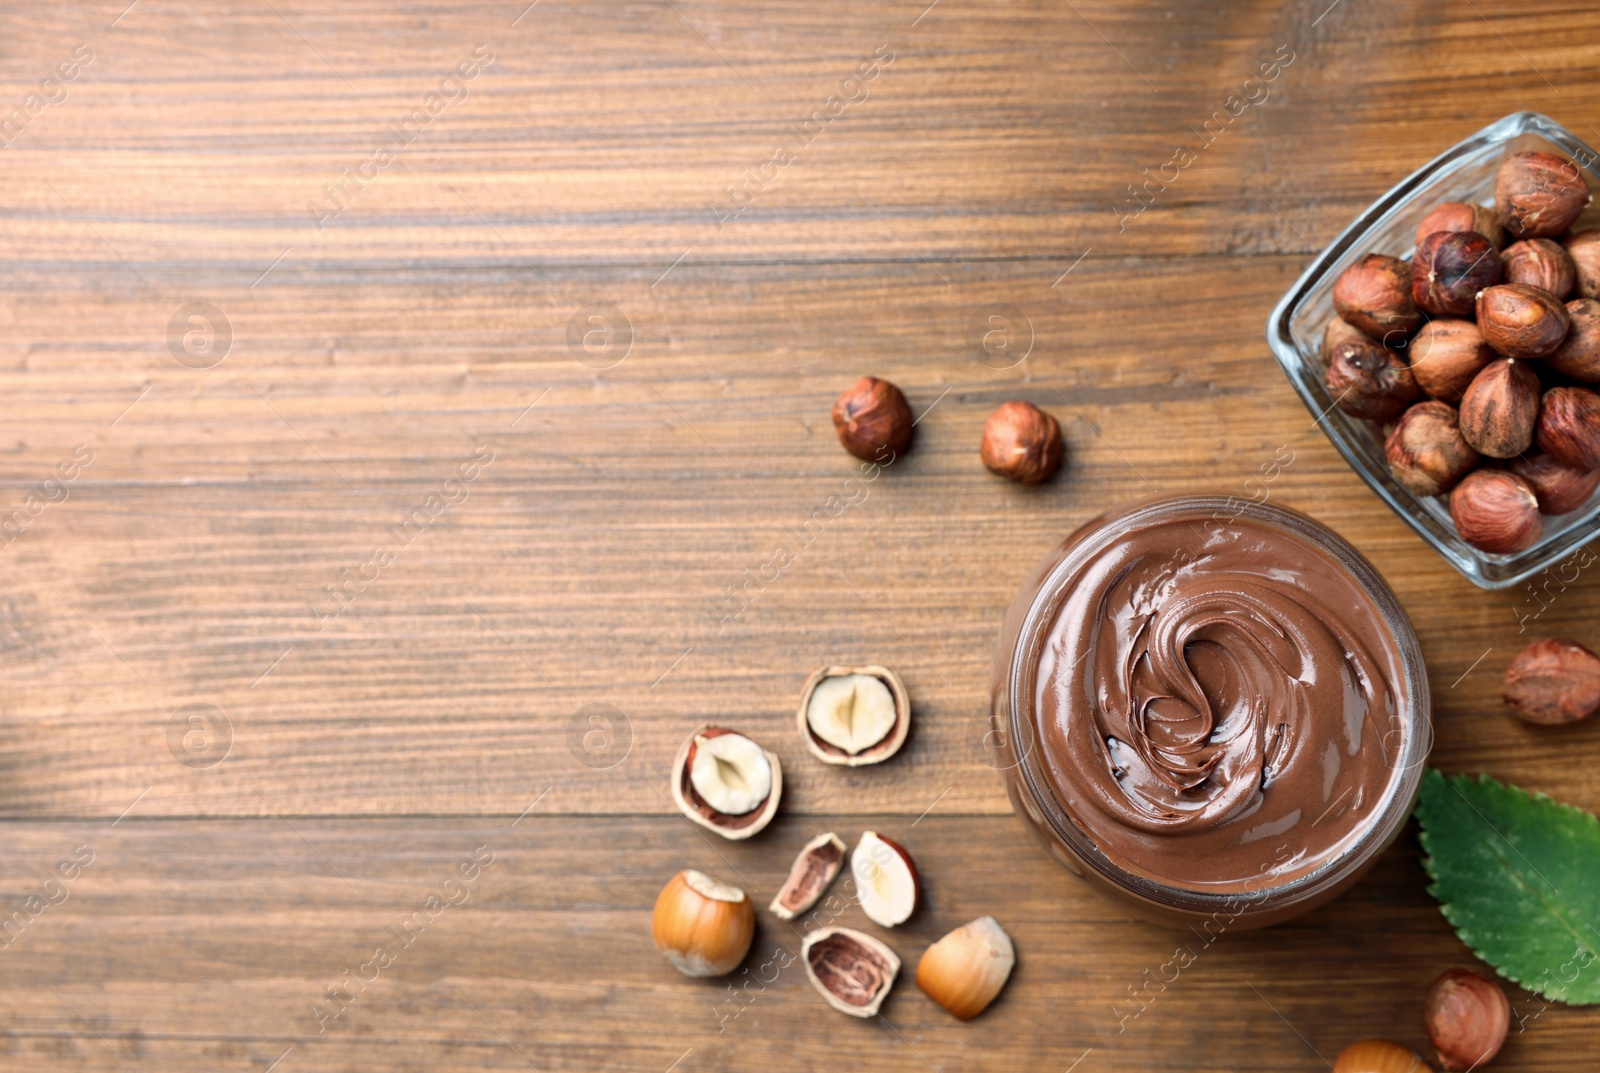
(1498, 312)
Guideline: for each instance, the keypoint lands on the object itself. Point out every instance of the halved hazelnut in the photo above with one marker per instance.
(964, 971)
(854, 715)
(703, 927)
(853, 971)
(726, 783)
(813, 870)
(886, 879)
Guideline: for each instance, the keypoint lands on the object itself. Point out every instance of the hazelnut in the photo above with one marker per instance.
(1449, 269)
(872, 417)
(1460, 216)
(1374, 294)
(1369, 380)
(1578, 356)
(702, 926)
(852, 970)
(1584, 249)
(1521, 321)
(1467, 1017)
(1445, 355)
(1500, 408)
(854, 716)
(809, 877)
(1496, 511)
(1561, 488)
(1378, 1056)
(1569, 426)
(1427, 453)
(1542, 263)
(1539, 194)
(1335, 333)
(726, 783)
(964, 971)
(1022, 442)
(887, 882)
(1552, 682)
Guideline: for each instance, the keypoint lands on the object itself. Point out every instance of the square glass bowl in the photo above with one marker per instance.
(1464, 172)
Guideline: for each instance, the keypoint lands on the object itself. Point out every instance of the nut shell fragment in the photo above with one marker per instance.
(693, 805)
(853, 971)
(964, 971)
(809, 877)
(837, 750)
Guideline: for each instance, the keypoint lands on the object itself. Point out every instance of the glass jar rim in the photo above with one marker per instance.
(1021, 678)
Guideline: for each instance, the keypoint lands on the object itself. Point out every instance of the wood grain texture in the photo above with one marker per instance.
(344, 762)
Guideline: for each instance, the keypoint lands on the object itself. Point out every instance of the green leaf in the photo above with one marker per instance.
(1518, 875)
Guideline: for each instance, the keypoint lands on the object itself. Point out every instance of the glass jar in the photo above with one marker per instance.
(1181, 684)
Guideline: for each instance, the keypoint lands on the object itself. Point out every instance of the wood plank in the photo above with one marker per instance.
(241, 926)
(590, 560)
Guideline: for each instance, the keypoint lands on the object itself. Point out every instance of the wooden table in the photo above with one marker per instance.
(280, 666)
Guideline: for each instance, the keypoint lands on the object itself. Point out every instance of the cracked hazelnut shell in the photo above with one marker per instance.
(1578, 356)
(1552, 682)
(703, 927)
(1496, 511)
(1379, 1056)
(1560, 488)
(1445, 356)
(1449, 269)
(1374, 294)
(1569, 426)
(1460, 216)
(851, 970)
(812, 872)
(1500, 408)
(1369, 380)
(1520, 321)
(1021, 442)
(1466, 1017)
(873, 420)
(1584, 249)
(1539, 195)
(1427, 453)
(700, 811)
(874, 753)
(1542, 263)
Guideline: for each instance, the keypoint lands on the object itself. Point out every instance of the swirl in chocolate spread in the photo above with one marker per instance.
(1213, 696)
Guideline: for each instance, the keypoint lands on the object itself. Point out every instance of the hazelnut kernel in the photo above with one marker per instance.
(1426, 451)
(1539, 194)
(1552, 682)
(1496, 511)
(1500, 407)
(1467, 1017)
(1369, 380)
(1542, 263)
(1569, 426)
(1022, 442)
(872, 417)
(1521, 321)
(1445, 356)
(1449, 269)
(1374, 294)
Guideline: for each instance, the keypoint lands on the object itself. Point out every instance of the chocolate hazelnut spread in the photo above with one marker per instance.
(1222, 702)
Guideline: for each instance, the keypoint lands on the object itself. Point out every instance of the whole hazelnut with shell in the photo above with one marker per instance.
(1374, 294)
(1578, 356)
(1559, 487)
(1569, 426)
(1539, 194)
(1496, 511)
(1427, 453)
(1461, 216)
(1542, 263)
(1467, 1017)
(873, 420)
(1367, 379)
(1021, 442)
(1500, 408)
(1446, 354)
(1449, 269)
(1584, 249)
(1521, 321)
